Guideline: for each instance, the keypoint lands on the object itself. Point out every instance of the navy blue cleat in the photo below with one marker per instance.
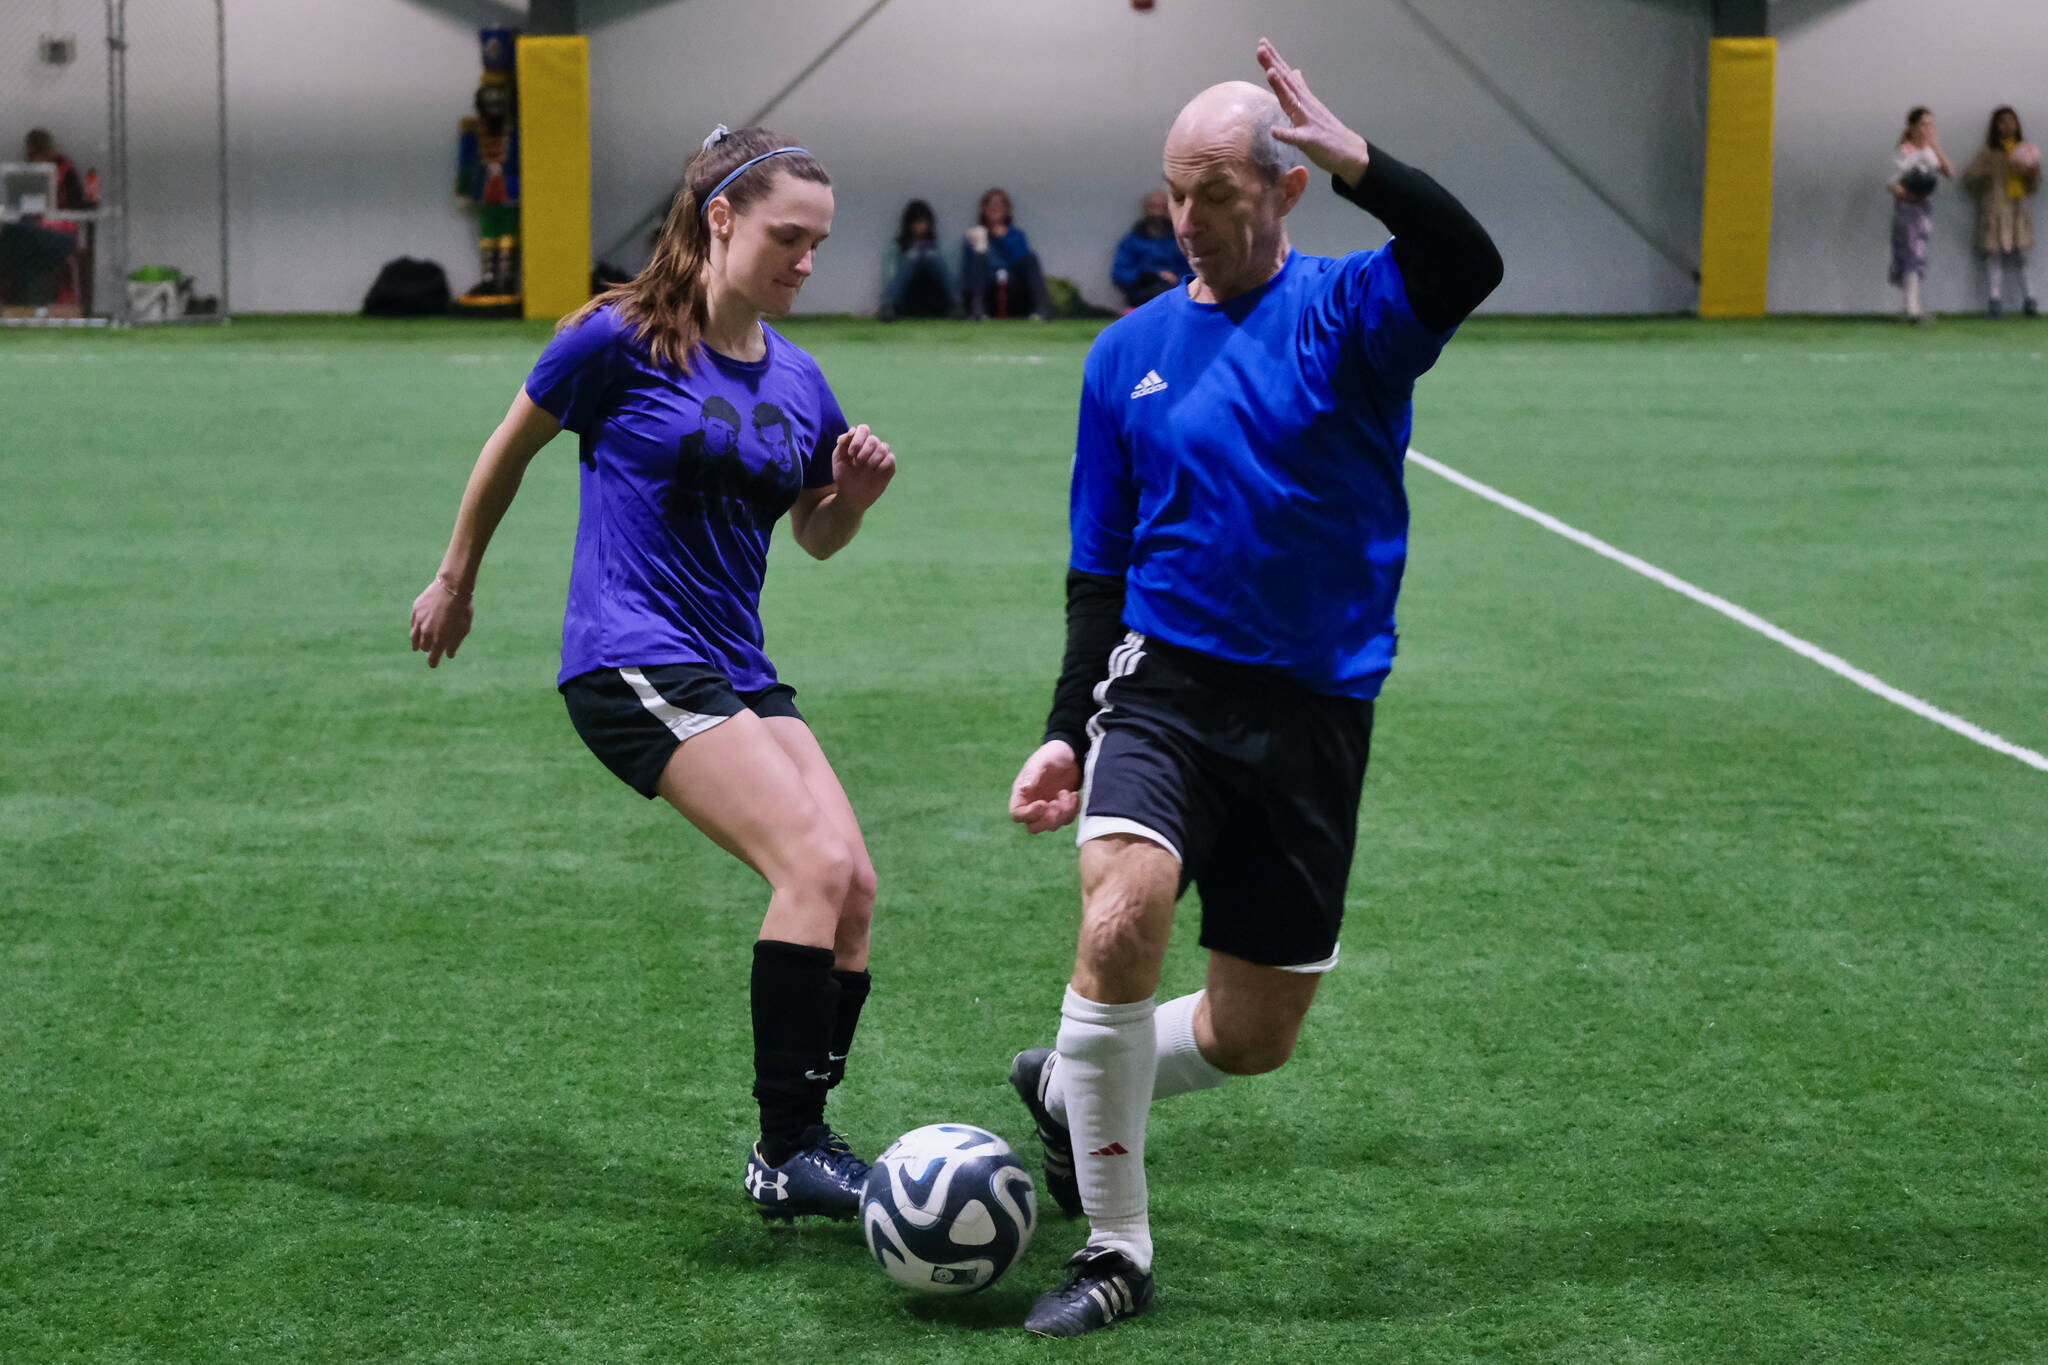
(1029, 1073)
(822, 1179)
(1102, 1288)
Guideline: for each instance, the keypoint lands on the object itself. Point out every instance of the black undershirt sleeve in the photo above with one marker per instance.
(1095, 625)
(1448, 263)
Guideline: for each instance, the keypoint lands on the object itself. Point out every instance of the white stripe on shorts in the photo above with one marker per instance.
(1095, 826)
(682, 724)
(1317, 968)
(1123, 661)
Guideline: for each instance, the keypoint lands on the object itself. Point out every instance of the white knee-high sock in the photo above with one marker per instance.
(1181, 1067)
(1912, 296)
(1994, 276)
(1107, 1063)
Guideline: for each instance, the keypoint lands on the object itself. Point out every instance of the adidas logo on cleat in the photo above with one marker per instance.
(1150, 384)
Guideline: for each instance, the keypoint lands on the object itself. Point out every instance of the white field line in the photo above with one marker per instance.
(1831, 662)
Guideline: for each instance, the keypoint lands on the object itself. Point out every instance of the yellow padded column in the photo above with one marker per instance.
(554, 173)
(1735, 210)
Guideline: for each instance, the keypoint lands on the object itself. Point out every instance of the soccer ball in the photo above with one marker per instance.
(948, 1208)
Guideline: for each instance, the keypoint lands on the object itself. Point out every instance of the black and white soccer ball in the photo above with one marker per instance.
(948, 1208)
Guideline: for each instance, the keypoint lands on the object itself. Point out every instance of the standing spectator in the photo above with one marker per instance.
(1148, 259)
(998, 269)
(1918, 163)
(2003, 176)
(915, 282)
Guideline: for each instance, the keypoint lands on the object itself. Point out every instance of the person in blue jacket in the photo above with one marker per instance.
(999, 272)
(1148, 259)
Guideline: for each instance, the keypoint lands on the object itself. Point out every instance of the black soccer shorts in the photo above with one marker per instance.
(633, 719)
(1250, 780)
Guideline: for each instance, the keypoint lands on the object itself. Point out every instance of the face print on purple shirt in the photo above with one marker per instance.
(730, 472)
(778, 440)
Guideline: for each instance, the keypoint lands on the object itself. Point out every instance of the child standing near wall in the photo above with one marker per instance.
(2003, 176)
(1918, 163)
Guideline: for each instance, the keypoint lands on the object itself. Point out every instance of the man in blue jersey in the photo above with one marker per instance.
(1239, 530)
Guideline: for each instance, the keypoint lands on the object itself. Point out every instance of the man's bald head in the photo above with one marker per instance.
(1231, 121)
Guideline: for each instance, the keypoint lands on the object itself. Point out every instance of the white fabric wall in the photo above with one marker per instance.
(1847, 74)
(342, 140)
(1065, 103)
(343, 125)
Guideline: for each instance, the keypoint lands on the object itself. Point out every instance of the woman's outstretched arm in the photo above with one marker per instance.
(442, 613)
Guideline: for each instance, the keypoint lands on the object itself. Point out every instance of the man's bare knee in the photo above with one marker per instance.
(1117, 935)
(1127, 895)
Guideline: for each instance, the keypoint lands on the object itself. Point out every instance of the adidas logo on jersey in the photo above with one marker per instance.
(1151, 383)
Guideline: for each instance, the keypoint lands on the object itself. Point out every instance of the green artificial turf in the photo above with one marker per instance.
(1691, 1000)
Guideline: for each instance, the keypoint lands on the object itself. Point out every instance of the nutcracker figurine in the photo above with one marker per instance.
(487, 174)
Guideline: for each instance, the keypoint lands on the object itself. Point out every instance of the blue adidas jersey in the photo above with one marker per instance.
(1239, 466)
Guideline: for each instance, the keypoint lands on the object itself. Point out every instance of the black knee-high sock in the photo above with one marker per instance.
(853, 993)
(795, 1003)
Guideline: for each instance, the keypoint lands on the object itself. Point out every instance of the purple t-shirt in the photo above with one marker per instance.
(684, 476)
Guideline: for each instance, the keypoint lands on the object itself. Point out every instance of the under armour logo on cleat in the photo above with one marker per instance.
(764, 1187)
(1114, 1149)
(1151, 383)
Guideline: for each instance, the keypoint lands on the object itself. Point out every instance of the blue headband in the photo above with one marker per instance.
(740, 170)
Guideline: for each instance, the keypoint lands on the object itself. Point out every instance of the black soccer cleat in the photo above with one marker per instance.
(1102, 1288)
(1028, 1074)
(822, 1179)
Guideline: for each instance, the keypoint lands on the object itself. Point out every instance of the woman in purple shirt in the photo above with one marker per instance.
(698, 426)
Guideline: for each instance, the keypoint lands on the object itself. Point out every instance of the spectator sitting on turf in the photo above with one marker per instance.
(998, 270)
(1148, 259)
(915, 281)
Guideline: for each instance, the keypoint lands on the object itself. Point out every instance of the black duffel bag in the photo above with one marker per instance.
(407, 288)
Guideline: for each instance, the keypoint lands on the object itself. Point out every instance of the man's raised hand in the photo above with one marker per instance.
(1310, 126)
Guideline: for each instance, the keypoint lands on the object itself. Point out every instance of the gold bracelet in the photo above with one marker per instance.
(458, 596)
